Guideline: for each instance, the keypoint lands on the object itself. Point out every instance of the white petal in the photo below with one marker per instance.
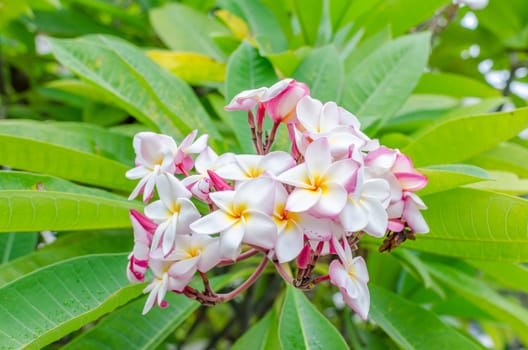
(277, 162)
(289, 243)
(342, 172)
(230, 241)
(317, 158)
(255, 195)
(210, 256)
(377, 218)
(260, 230)
(354, 217)
(333, 200)
(157, 212)
(296, 176)
(170, 189)
(329, 116)
(137, 173)
(187, 215)
(377, 189)
(360, 269)
(212, 223)
(223, 200)
(308, 113)
(301, 200)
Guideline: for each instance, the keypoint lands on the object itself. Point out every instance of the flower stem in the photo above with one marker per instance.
(283, 273)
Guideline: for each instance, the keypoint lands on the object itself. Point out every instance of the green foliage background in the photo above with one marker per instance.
(79, 77)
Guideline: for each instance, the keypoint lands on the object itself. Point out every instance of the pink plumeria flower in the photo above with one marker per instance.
(410, 179)
(188, 146)
(411, 213)
(320, 183)
(154, 157)
(246, 100)
(366, 206)
(281, 99)
(350, 275)
(250, 166)
(242, 216)
(161, 284)
(138, 259)
(326, 121)
(173, 213)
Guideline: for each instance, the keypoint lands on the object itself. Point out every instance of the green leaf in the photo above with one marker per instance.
(309, 13)
(504, 182)
(263, 24)
(365, 48)
(378, 87)
(457, 139)
(486, 105)
(143, 331)
(302, 326)
(87, 154)
(322, 71)
(137, 84)
(449, 176)
(475, 224)
(177, 24)
(16, 244)
(50, 303)
(246, 69)
(411, 326)
(508, 275)
(454, 85)
(67, 246)
(481, 295)
(262, 336)
(36, 210)
(506, 156)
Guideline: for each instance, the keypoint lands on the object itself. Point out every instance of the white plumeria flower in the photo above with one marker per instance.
(193, 253)
(161, 284)
(243, 216)
(365, 208)
(250, 166)
(174, 212)
(350, 275)
(320, 184)
(200, 184)
(154, 157)
(188, 146)
(281, 99)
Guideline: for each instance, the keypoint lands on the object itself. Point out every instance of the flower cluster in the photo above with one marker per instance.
(333, 186)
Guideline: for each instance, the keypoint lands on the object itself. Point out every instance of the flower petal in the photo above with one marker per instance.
(333, 200)
(301, 200)
(230, 241)
(260, 230)
(214, 222)
(289, 243)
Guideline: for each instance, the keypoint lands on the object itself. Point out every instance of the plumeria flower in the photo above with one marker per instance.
(161, 284)
(249, 166)
(281, 99)
(320, 183)
(174, 212)
(154, 157)
(366, 206)
(243, 215)
(246, 100)
(138, 260)
(350, 275)
(410, 179)
(188, 146)
(193, 253)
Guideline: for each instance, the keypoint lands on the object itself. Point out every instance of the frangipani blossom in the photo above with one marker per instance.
(161, 284)
(188, 146)
(366, 207)
(350, 275)
(154, 157)
(249, 166)
(246, 100)
(411, 213)
(193, 253)
(243, 215)
(320, 183)
(174, 212)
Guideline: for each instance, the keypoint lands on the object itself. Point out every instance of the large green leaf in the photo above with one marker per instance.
(16, 244)
(262, 336)
(411, 326)
(37, 210)
(48, 304)
(475, 224)
(481, 295)
(302, 326)
(454, 85)
(454, 140)
(377, 87)
(137, 84)
(508, 275)
(142, 331)
(506, 156)
(504, 182)
(65, 247)
(322, 71)
(246, 69)
(177, 25)
(445, 177)
(85, 154)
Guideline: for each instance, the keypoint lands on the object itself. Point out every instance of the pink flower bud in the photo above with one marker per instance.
(218, 183)
(304, 257)
(281, 100)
